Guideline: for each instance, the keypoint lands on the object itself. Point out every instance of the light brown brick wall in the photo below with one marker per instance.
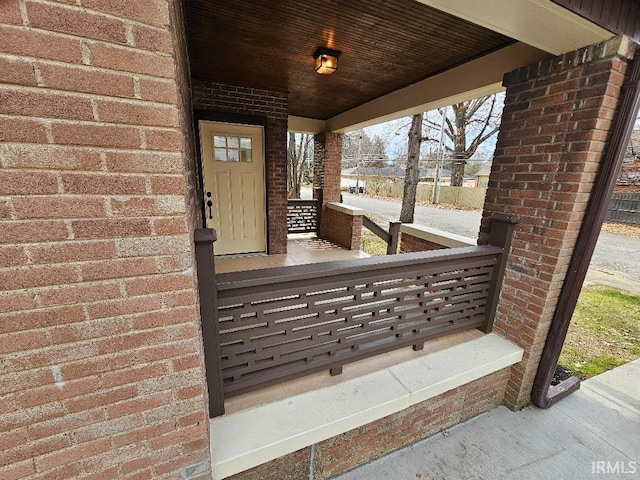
(295, 466)
(101, 369)
(555, 126)
(361, 445)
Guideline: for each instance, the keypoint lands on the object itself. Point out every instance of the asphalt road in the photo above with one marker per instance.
(461, 222)
(616, 260)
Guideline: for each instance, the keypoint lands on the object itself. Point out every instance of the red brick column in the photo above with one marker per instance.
(555, 127)
(100, 343)
(327, 168)
(343, 228)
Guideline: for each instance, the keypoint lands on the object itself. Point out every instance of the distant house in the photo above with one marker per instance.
(359, 175)
(629, 176)
(633, 149)
(482, 177)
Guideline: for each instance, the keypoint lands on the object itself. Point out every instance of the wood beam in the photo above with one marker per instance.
(482, 76)
(305, 125)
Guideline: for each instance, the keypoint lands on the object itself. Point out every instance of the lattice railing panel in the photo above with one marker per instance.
(284, 323)
(302, 216)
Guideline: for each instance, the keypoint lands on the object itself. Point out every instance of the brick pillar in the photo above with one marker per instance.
(318, 164)
(327, 157)
(343, 227)
(556, 122)
(102, 371)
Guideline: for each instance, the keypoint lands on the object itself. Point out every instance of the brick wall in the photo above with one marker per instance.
(101, 369)
(342, 228)
(363, 444)
(327, 164)
(272, 106)
(327, 158)
(556, 122)
(318, 167)
(410, 243)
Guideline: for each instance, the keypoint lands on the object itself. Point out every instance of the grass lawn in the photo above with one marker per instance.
(604, 331)
(372, 244)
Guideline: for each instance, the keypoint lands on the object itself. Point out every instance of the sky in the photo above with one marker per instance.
(394, 133)
(397, 142)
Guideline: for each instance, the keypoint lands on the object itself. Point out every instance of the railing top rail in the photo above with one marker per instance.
(267, 276)
(376, 229)
(301, 201)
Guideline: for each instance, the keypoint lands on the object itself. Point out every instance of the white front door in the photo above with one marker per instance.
(234, 186)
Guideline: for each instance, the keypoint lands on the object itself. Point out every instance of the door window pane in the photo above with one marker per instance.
(232, 149)
(245, 149)
(245, 155)
(221, 154)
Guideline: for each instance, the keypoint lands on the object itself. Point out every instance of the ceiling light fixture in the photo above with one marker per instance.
(326, 60)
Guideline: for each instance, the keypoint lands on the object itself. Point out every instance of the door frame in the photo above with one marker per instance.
(232, 118)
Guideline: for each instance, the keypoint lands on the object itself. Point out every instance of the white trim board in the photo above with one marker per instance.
(434, 235)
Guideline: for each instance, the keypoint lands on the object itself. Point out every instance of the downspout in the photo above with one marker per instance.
(542, 394)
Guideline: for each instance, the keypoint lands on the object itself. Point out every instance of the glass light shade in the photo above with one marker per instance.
(326, 60)
(326, 64)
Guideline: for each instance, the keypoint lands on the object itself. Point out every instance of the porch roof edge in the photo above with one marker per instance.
(482, 76)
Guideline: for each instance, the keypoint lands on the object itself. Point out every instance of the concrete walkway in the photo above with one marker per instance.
(593, 433)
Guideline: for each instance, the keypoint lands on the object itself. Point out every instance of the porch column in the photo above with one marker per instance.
(555, 127)
(326, 171)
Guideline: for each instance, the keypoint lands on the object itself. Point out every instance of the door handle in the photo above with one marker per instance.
(209, 206)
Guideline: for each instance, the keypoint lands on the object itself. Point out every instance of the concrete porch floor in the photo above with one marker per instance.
(593, 433)
(302, 248)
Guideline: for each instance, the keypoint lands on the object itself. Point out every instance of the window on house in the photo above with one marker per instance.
(232, 149)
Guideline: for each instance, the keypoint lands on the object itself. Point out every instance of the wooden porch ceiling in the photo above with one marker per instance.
(385, 45)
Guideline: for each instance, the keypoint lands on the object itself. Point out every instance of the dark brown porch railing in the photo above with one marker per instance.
(391, 237)
(304, 215)
(280, 323)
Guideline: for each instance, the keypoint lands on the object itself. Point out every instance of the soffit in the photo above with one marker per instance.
(385, 45)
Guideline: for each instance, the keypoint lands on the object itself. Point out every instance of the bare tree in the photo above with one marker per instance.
(298, 153)
(465, 129)
(469, 125)
(359, 148)
(411, 170)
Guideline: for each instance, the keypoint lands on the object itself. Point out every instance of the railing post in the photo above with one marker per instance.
(394, 233)
(500, 235)
(319, 197)
(204, 238)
